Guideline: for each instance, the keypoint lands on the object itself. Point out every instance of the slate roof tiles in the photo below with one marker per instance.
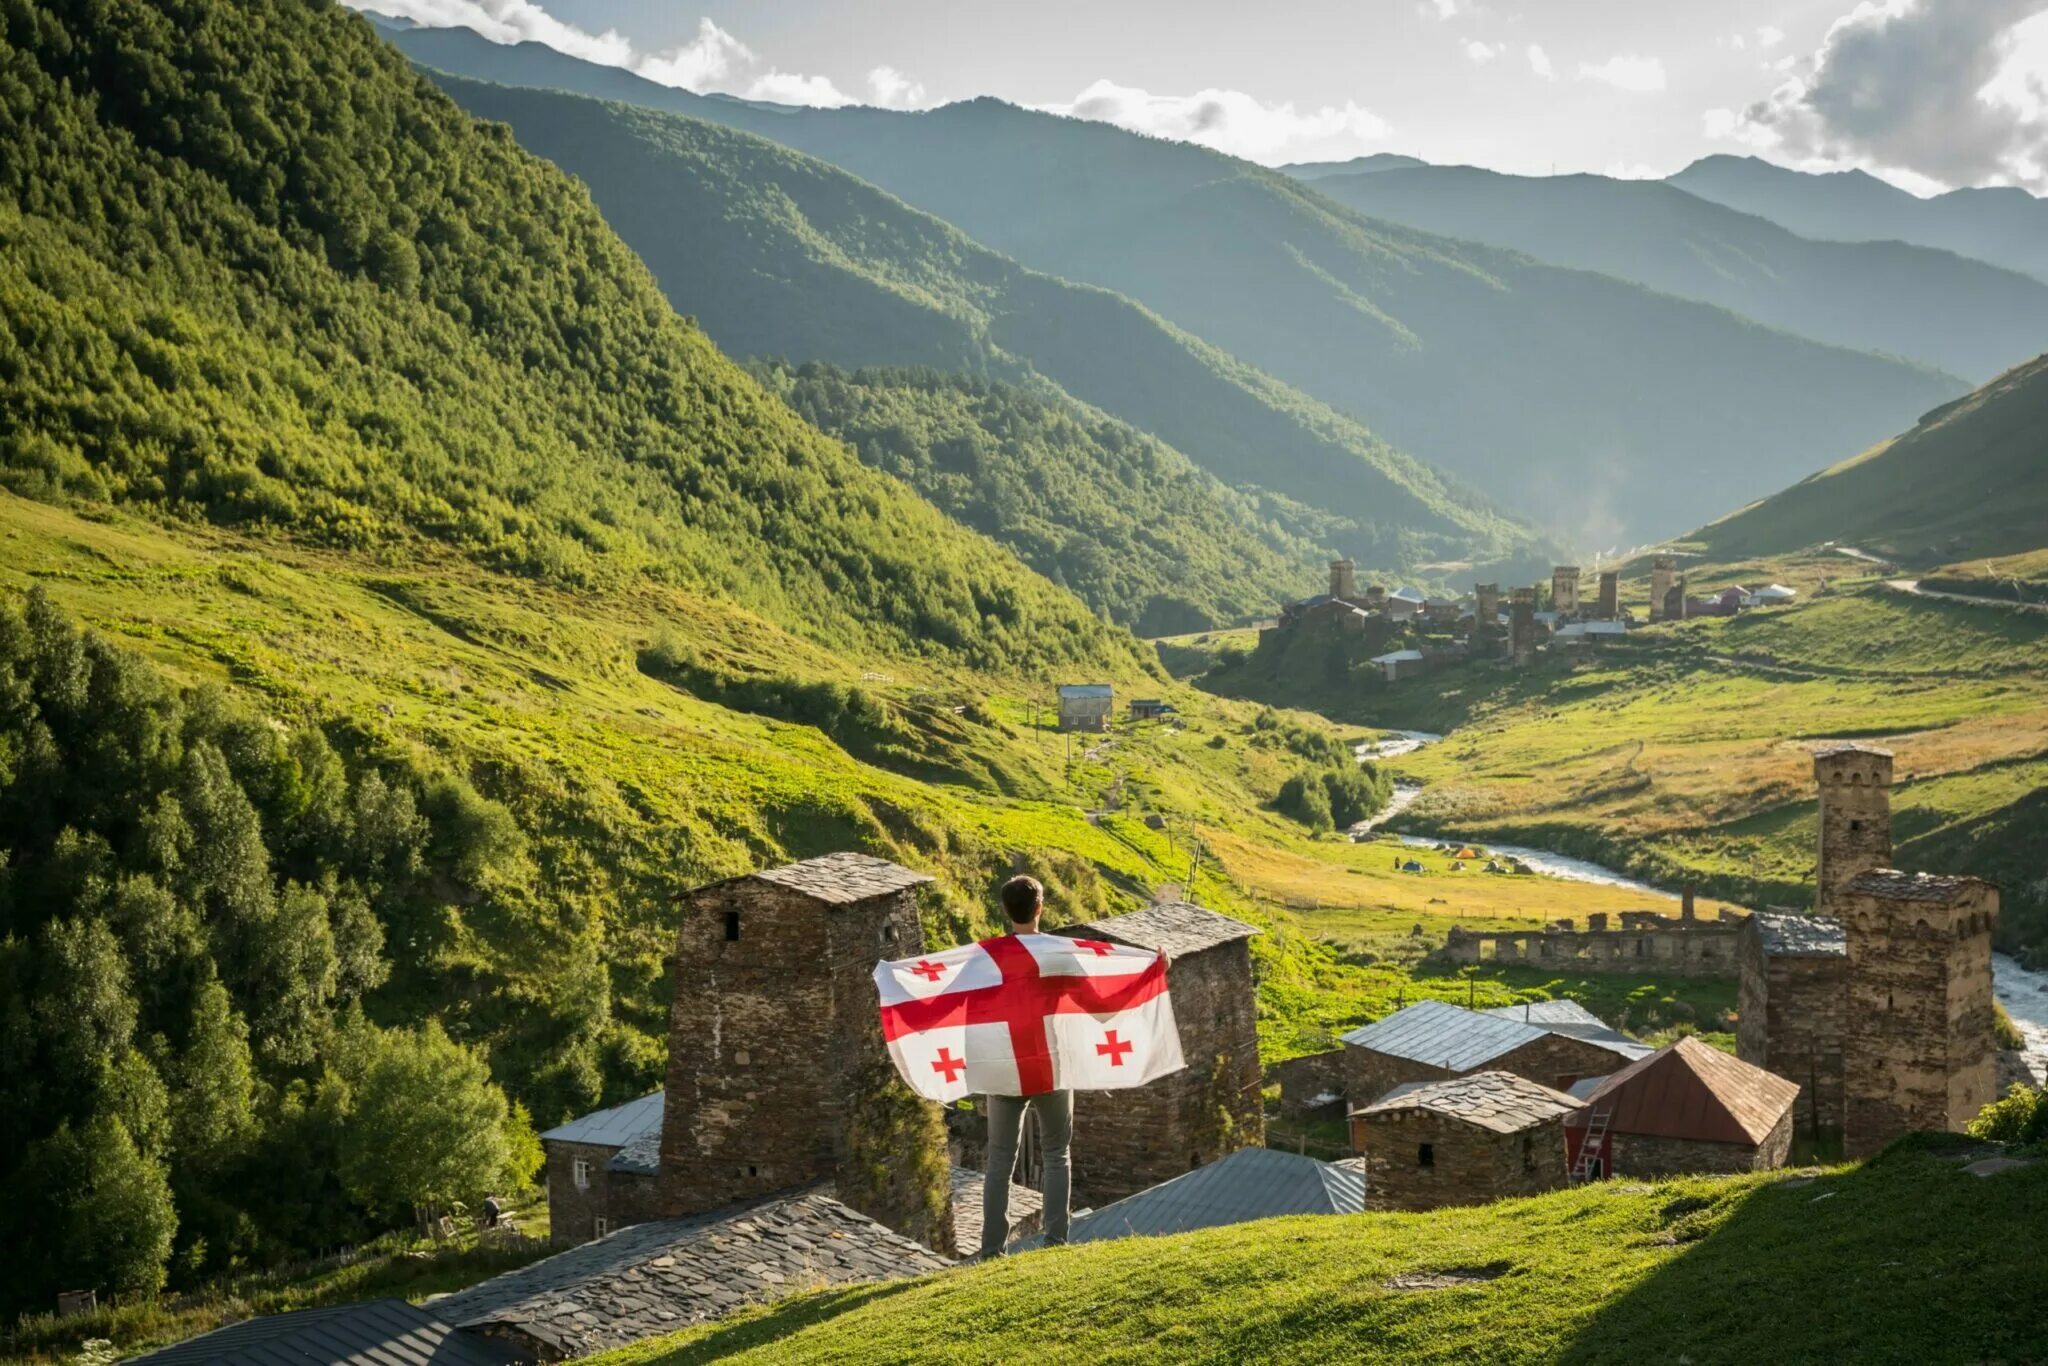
(1499, 1101)
(1178, 927)
(844, 878)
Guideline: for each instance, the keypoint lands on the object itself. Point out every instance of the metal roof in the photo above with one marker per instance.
(842, 879)
(374, 1333)
(613, 1128)
(1499, 1101)
(1569, 1017)
(1081, 692)
(1694, 1091)
(1443, 1035)
(1799, 936)
(1176, 927)
(1251, 1183)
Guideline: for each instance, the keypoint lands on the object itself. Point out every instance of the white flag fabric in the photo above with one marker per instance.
(1024, 1014)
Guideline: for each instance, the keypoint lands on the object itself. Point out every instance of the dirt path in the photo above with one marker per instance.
(1913, 588)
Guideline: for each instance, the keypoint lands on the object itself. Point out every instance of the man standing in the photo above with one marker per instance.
(1023, 901)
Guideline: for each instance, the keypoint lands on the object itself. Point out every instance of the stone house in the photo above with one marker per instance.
(778, 1077)
(1085, 706)
(1125, 1141)
(602, 1170)
(1463, 1141)
(1920, 1049)
(1688, 1107)
(1793, 979)
(1434, 1040)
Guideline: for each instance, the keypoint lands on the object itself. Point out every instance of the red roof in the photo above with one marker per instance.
(1692, 1090)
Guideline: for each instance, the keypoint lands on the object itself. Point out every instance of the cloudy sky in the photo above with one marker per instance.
(1929, 93)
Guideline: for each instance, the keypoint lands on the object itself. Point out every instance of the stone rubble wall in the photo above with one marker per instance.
(1647, 943)
(1472, 1165)
(1650, 1156)
(1303, 1081)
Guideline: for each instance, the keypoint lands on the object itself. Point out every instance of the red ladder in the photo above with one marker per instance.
(1591, 1146)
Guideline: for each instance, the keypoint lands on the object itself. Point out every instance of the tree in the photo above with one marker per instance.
(96, 1212)
(426, 1127)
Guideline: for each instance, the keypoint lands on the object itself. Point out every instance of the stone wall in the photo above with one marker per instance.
(619, 1198)
(1304, 1080)
(1649, 1156)
(1469, 1165)
(778, 1076)
(1556, 1061)
(1647, 942)
(1125, 1141)
(1368, 1075)
(1919, 1049)
(1790, 1020)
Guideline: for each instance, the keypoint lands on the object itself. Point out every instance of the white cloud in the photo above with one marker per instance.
(1442, 9)
(712, 60)
(1539, 62)
(1769, 36)
(1482, 53)
(892, 89)
(1642, 75)
(1928, 92)
(1232, 121)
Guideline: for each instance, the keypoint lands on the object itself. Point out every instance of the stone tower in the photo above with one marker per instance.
(1663, 570)
(1855, 817)
(1522, 625)
(1564, 590)
(1918, 1047)
(1485, 614)
(1343, 580)
(1610, 595)
(777, 1073)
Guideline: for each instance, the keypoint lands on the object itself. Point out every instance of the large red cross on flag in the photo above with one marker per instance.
(1024, 1014)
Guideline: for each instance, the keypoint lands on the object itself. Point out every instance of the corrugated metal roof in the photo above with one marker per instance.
(1251, 1183)
(1692, 1090)
(612, 1128)
(375, 1333)
(1177, 927)
(1082, 692)
(1799, 936)
(1499, 1101)
(1569, 1017)
(1443, 1035)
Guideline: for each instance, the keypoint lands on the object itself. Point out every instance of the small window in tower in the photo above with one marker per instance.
(753, 1171)
(1425, 1154)
(732, 927)
(1856, 825)
(1528, 1152)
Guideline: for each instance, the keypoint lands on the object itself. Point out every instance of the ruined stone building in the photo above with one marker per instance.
(1645, 941)
(1464, 1141)
(1920, 1050)
(1793, 983)
(777, 1073)
(1688, 1107)
(1125, 1141)
(1564, 591)
(603, 1170)
(1554, 1043)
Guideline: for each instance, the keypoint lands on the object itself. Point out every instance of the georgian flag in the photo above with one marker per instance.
(1023, 1014)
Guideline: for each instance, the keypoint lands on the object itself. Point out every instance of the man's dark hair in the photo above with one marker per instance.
(1023, 898)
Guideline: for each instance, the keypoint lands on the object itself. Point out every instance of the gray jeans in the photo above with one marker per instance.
(1056, 1135)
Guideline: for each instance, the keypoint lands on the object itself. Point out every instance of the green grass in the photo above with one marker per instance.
(1903, 1259)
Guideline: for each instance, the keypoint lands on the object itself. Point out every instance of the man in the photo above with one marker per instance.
(1023, 901)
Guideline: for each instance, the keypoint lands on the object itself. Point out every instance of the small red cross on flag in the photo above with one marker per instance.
(1024, 1014)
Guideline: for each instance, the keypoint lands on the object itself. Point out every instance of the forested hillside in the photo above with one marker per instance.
(779, 254)
(1947, 311)
(2005, 225)
(1970, 480)
(1585, 402)
(253, 268)
(1098, 507)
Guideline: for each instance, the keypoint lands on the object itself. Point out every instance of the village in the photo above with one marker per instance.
(782, 1152)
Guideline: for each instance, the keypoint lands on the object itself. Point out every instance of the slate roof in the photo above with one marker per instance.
(967, 1191)
(1251, 1183)
(613, 1128)
(1799, 936)
(1499, 1101)
(657, 1277)
(1178, 927)
(641, 1157)
(374, 1333)
(1893, 885)
(1460, 1040)
(844, 878)
(1694, 1091)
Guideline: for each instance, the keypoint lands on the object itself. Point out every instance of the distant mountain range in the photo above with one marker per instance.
(1969, 481)
(1592, 404)
(2007, 227)
(1365, 165)
(1951, 312)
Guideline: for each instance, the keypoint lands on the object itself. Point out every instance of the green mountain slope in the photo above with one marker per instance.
(1571, 397)
(1969, 480)
(2005, 226)
(256, 270)
(1950, 312)
(1737, 1269)
(1120, 518)
(777, 253)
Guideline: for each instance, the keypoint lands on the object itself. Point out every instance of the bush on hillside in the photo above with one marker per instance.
(2019, 1117)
